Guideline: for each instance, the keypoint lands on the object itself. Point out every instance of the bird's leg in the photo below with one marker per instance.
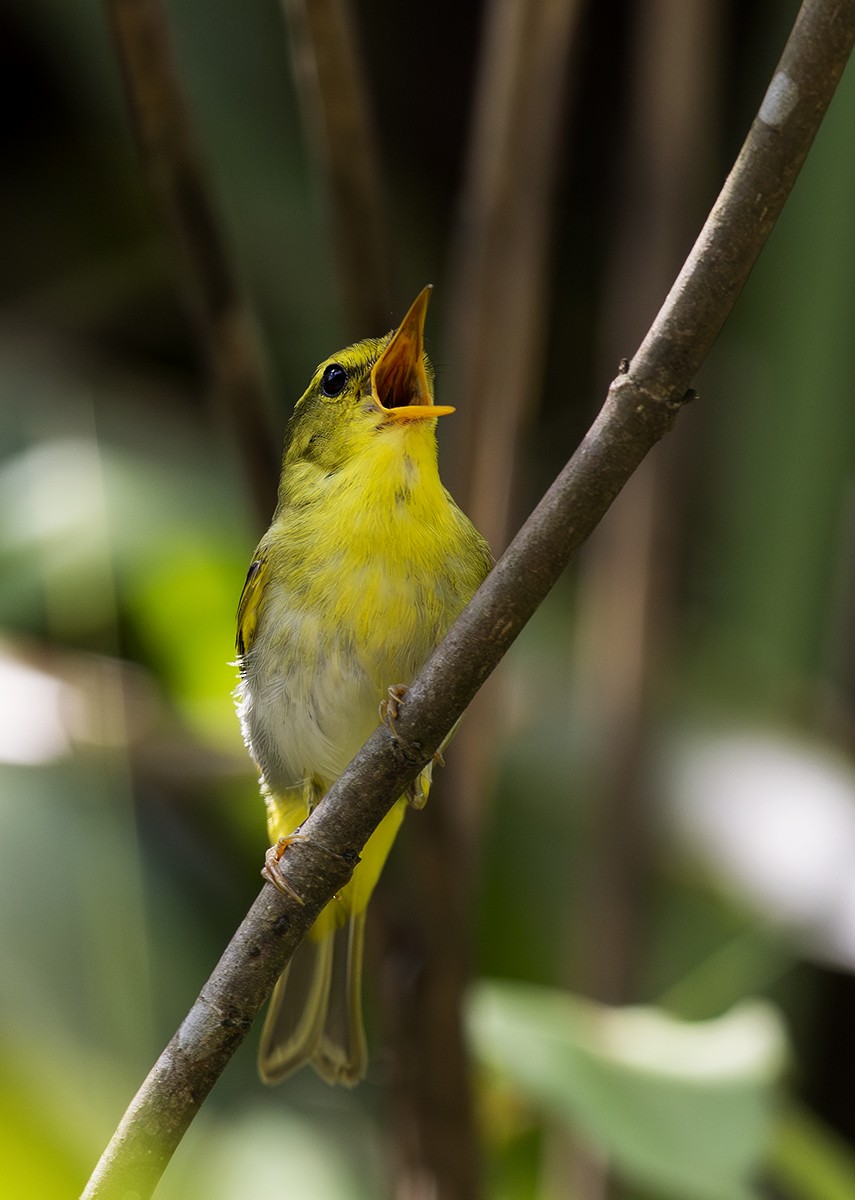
(271, 871)
(390, 707)
(388, 714)
(416, 796)
(311, 792)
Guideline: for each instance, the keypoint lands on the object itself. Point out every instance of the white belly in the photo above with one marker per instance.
(307, 702)
(300, 726)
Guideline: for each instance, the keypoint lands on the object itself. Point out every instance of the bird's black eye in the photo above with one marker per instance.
(333, 380)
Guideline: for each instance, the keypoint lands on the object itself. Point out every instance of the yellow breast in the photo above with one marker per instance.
(366, 569)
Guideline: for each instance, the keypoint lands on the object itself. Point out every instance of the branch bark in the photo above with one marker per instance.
(641, 406)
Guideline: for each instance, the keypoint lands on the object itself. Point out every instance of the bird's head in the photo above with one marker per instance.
(381, 385)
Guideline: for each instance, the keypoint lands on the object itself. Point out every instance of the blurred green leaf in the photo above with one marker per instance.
(267, 1152)
(682, 1108)
(39, 1156)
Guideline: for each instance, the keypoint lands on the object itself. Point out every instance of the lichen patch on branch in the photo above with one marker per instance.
(781, 98)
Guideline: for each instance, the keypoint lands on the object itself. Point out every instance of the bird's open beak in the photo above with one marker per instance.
(398, 380)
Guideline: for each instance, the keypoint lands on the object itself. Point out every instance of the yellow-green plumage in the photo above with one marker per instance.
(366, 564)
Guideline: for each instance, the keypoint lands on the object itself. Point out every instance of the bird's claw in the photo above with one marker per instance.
(416, 793)
(271, 870)
(390, 707)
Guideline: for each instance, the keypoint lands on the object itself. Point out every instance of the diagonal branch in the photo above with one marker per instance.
(640, 408)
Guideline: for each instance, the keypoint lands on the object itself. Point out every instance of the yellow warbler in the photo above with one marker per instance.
(365, 566)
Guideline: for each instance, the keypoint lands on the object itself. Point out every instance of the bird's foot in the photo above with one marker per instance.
(391, 706)
(271, 870)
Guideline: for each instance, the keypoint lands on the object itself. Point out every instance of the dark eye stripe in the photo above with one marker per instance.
(333, 380)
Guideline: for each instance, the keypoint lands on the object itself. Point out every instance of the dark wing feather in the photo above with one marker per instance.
(250, 603)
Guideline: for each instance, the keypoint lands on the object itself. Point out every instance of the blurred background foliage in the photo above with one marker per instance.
(664, 914)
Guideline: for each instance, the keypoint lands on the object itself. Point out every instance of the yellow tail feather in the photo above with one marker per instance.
(315, 1013)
